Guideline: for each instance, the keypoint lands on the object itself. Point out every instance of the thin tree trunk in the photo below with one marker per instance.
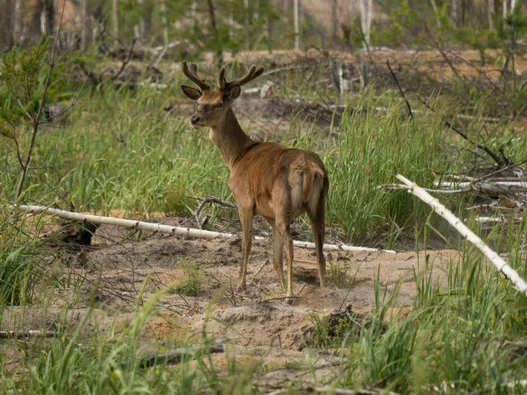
(505, 12)
(369, 18)
(454, 11)
(366, 7)
(334, 21)
(17, 25)
(436, 12)
(491, 6)
(83, 25)
(269, 34)
(217, 46)
(6, 24)
(513, 5)
(296, 22)
(141, 23)
(246, 23)
(194, 13)
(115, 24)
(164, 22)
(47, 17)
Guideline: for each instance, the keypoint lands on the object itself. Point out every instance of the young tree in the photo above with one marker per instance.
(115, 23)
(296, 21)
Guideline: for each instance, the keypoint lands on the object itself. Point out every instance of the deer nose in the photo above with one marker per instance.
(195, 119)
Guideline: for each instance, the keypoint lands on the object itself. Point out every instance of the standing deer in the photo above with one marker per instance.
(266, 178)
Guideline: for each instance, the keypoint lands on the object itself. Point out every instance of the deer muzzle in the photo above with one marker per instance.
(195, 120)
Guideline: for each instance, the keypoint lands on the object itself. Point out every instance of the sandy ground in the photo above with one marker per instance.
(260, 327)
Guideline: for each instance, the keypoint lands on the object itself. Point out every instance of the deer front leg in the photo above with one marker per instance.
(246, 219)
(278, 251)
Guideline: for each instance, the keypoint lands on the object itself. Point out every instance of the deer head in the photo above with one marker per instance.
(214, 104)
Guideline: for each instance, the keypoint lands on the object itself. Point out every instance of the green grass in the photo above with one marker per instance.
(124, 152)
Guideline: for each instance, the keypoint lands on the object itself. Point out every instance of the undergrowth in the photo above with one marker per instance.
(122, 151)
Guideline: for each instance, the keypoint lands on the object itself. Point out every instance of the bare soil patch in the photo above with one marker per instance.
(123, 270)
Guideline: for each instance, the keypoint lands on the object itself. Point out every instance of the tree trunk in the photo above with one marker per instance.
(366, 7)
(17, 23)
(296, 21)
(246, 24)
(6, 24)
(35, 11)
(164, 22)
(269, 34)
(454, 12)
(491, 6)
(83, 25)
(194, 13)
(334, 21)
(504, 8)
(115, 24)
(214, 27)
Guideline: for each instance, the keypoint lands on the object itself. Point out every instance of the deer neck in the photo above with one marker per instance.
(230, 139)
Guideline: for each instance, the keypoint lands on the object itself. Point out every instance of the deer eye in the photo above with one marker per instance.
(219, 105)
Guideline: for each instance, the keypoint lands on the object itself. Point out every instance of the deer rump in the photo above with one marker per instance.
(279, 178)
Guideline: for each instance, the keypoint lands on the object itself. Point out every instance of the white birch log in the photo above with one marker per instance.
(491, 255)
(167, 229)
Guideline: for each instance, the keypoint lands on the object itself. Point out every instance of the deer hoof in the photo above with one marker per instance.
(290, 300)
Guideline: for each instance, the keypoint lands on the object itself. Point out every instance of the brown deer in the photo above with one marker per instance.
(266, 178)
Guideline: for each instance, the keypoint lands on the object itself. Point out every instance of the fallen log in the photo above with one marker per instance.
(180, 355)
(458, 224)
(167, 229)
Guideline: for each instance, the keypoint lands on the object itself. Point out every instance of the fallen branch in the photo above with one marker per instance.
(167, 229)
(180, 355)
(209, 200)
(491, 255)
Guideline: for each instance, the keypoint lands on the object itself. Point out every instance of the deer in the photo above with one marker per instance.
(266, 178)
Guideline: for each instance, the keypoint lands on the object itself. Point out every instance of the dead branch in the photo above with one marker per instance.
(410, 114)
(209, 200)
(491, 255)
(126, 61)
(181, 354)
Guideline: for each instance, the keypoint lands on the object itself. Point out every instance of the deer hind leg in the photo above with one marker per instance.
(283, 225)
(278, 255)
(278, 251)
(246, 219)
(315, 211)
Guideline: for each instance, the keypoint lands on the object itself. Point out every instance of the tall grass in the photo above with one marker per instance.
(122, 151)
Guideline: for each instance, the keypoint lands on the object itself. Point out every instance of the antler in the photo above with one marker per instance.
(192, 74)
(253, 73)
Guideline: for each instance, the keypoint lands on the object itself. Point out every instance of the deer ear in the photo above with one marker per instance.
(234, 92)
(191, 93)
